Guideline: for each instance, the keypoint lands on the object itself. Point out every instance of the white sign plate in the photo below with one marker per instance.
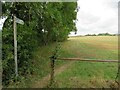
(19, 21)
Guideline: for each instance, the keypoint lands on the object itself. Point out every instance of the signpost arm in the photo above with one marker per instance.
(15, 46)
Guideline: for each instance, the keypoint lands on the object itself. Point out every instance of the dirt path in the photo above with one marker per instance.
(45, 80)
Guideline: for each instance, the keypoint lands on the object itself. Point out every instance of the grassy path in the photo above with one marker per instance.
(45, 80)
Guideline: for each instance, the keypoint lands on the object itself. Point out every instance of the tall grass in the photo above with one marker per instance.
(78, 74)
(88, 74)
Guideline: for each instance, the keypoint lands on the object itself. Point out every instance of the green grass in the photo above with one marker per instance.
(41, 67)
(78, 74)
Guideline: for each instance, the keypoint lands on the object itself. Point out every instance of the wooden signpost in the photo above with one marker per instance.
(15, 46)
(16, 20)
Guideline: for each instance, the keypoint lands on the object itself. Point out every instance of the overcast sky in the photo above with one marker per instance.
(97, 16)
(2, 20)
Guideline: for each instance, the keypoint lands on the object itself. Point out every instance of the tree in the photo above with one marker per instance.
(44, 23)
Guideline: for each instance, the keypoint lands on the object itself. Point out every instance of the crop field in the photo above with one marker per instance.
(89, 74)
(76, 74)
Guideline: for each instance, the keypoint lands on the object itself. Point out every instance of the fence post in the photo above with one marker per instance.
(52, 71)
(52, 60)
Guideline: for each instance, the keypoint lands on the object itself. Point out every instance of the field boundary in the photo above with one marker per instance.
(88, 60)
(53, 59)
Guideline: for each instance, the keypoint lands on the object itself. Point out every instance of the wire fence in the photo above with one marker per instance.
(77, 59)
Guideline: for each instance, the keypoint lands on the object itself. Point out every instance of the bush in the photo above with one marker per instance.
(27, 42)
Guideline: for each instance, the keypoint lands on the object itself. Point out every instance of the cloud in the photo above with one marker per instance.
(81, 18)
(97, 16)
(2, 20)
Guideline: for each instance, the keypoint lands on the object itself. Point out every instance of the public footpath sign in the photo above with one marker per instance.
(16, 20)
(19, 21)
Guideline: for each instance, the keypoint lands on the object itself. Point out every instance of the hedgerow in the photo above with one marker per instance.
(44, 23)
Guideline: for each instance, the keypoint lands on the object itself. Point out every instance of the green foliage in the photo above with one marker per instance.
(55, 54)
(57, 21)
(44, 23)
(104, 34)
(90, 35)
(7, 55)
(27, 42)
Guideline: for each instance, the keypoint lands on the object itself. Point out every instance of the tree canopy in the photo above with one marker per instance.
(45, 22)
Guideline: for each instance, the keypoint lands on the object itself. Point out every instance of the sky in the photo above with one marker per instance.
(2, 20)
(97, 16)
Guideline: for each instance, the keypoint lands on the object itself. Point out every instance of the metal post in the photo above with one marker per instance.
(15, 46)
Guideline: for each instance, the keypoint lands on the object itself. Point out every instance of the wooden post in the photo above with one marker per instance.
(15, 46)
(52, 71)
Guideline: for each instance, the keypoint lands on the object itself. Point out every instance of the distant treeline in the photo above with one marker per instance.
(102, 34)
